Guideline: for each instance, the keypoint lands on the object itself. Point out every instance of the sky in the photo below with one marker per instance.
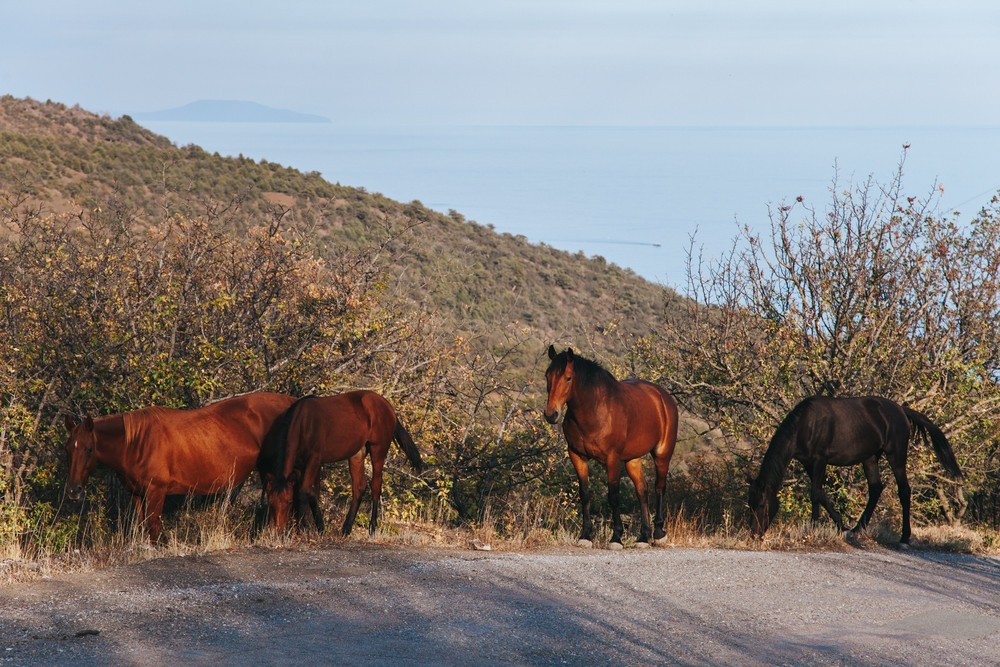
(520, 62)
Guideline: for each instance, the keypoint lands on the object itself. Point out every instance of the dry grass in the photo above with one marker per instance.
(223, 526)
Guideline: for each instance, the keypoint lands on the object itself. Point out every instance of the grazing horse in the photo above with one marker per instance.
(823, 431)
(161, 451)
(325, 429)
(613, 422)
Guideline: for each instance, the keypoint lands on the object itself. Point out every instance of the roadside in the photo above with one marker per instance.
(362, 603)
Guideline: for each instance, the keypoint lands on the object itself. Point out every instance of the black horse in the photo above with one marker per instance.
(823, 431)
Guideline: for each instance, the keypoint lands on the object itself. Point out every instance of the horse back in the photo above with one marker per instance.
(848, 430)
(334, 428)
(201, 450)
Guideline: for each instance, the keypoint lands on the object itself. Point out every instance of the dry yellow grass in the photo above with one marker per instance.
(222, 527)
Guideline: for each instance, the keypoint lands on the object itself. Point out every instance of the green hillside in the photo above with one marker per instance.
(476, 279)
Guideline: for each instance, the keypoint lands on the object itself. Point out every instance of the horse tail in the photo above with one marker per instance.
(926, 429)
(282, 456)
(402, 437)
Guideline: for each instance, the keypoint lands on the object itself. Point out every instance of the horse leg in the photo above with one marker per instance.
(903, 486)
(662, 464)
(875, 487)
(378, 461)
(583, 477)
(299, 505)
(614, 500)
(308, 485)
(634, 470)
(817, 477)
(154, 500)
(356, 464)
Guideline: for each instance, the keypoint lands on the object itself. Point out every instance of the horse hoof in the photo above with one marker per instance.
(585, 544)
(661, 541)
(615, 546)
(904, 546)
(642, 545)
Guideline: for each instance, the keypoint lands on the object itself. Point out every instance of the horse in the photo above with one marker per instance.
(613, 423)
(844, 431)
(159, 451)
(325, 429)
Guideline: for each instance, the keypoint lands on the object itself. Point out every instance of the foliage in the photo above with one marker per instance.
(875, 295)
(102, 315)
(134, 272)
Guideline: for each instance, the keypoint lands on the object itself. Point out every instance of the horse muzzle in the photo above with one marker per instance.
(75, 492)
(555, 416)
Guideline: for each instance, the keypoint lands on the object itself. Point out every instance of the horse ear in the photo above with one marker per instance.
(569, 354)
(88, 423)
(552, 351)
(68, 421)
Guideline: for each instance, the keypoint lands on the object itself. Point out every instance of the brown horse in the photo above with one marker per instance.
(614, 423)
(161, 451)
(325, 429)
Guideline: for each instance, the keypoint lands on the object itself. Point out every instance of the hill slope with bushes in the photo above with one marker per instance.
(477, 279)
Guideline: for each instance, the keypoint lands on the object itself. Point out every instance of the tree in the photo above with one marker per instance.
(878, 294)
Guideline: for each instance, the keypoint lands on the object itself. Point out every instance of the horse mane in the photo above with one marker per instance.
(138, 420)
(586, 373)
(780, 449)
(278, 455)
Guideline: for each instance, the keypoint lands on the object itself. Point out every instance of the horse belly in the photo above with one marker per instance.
(332, 440)
(210, 467)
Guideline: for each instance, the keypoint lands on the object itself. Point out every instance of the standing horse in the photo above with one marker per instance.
(325, 429)
(823, 431)
(613, 422)
(161, 451)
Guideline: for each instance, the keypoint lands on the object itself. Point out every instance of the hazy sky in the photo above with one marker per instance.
(620, 62)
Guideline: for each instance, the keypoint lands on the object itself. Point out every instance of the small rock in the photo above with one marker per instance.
(616, 546)
(479, 545)
(585, 544)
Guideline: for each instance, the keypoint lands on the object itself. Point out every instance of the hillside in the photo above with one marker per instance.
(479, 280)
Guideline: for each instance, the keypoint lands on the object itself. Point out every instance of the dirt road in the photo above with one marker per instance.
(365, 604)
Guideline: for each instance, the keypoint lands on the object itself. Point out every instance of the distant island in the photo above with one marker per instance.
(229, 111)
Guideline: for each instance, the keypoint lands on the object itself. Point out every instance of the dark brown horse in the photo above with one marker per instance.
(161, 451)
(325, 429)
(823, 431)
(614, 423)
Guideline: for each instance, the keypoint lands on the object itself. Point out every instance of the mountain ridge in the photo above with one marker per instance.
(228, 111)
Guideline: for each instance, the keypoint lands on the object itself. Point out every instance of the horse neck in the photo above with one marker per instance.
(779, 454)
(588, 402)
(111, 439)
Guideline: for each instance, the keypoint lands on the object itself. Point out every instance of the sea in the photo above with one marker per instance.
(643, 198)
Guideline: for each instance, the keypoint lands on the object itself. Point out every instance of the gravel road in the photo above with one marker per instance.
(358, 603)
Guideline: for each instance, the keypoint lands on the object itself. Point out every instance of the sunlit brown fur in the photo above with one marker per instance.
(613, 423)
(326, 429)
(161, 451)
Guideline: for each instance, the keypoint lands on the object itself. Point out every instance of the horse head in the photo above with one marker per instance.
(280, 497)
(81, 446)
(763, 503)
(559, 382)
